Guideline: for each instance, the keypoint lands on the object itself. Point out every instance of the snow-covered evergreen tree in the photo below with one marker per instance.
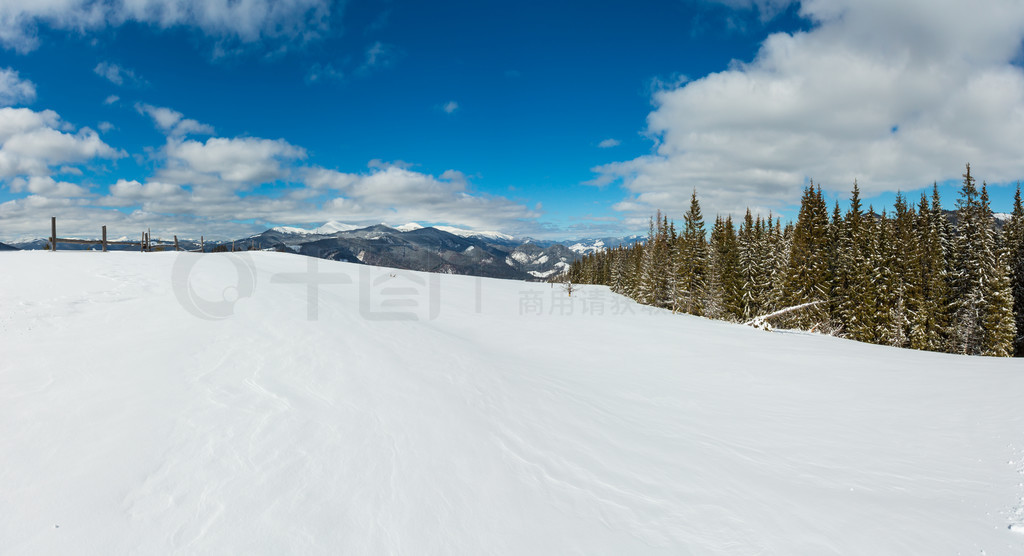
(981, 322)
(691, 272)
(1013, 234)
(807, 274)
(930, 326)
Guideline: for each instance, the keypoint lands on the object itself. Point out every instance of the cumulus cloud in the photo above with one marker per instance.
(131, 192)
(14, 89)
(248, 21)
(111, 99)
(609, 143)
(396, 193)
(895, 94)
(31, 143)
(208, 187)
(173, 122)
(238, 162)
(450, 106)
(47, 186)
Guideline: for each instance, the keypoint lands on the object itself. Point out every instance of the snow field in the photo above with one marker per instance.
(499, 417)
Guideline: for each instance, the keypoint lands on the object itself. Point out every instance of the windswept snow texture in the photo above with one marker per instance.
(493, 417)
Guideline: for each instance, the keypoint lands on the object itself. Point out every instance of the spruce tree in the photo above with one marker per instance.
(998, 329)
(729, 270)
(691, 266)
(929, 327)
(807, 274)
(970, 252)
(1013, 234)
(983, 308)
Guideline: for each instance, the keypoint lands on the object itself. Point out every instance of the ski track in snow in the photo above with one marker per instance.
(131, 426)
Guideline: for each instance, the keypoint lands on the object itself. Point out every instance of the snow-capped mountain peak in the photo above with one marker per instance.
(587, 247)
(409, 227)
(472, 233)
(291, 230)
(334, 227)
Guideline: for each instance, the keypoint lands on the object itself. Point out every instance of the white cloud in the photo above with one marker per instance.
(208, 187)
(895, 94)
(173, 122)
(239, 162)
(322, 72)
(246, 21)
(111, 99)
(131, 192)
(47, 186)
(105, 127)
(395, 193)
(31, 143)
(383, 194)
(14, 89)
(450, 106)
(116, 75)
(609, 143)
(378, 56)
(767, 9)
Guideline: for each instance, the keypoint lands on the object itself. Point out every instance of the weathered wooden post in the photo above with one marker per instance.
(53, 233)
(202, 246)
(175, 243)
(142, 244)
(104, 239)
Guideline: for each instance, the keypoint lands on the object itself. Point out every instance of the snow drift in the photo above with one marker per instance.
(272, 403)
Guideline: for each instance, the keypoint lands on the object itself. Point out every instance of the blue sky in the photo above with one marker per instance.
(550, 119)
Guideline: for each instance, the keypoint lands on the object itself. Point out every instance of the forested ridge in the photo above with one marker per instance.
(910, 278)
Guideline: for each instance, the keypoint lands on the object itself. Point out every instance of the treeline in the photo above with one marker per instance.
(910, 278)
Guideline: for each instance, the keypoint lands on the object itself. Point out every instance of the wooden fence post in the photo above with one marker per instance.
(104, 239)
(53, 233)
(202, 246)
(175, 243)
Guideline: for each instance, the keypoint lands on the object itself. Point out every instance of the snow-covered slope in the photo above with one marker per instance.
(291, 230)
(335, 227)
(488, 416)
(477, 234)
(327, 228)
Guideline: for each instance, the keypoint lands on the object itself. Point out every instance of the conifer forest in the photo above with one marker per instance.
(917, 277)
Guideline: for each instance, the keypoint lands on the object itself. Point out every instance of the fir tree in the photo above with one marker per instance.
(691, 265)
(1013, 234)
(929, 329)
(998, 329)
(755, 266)
(982, 322)
(970, 251)
(807, 273)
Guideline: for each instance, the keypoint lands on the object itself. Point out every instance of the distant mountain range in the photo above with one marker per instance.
(435, 249)
(410, 246)
(427, 248)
